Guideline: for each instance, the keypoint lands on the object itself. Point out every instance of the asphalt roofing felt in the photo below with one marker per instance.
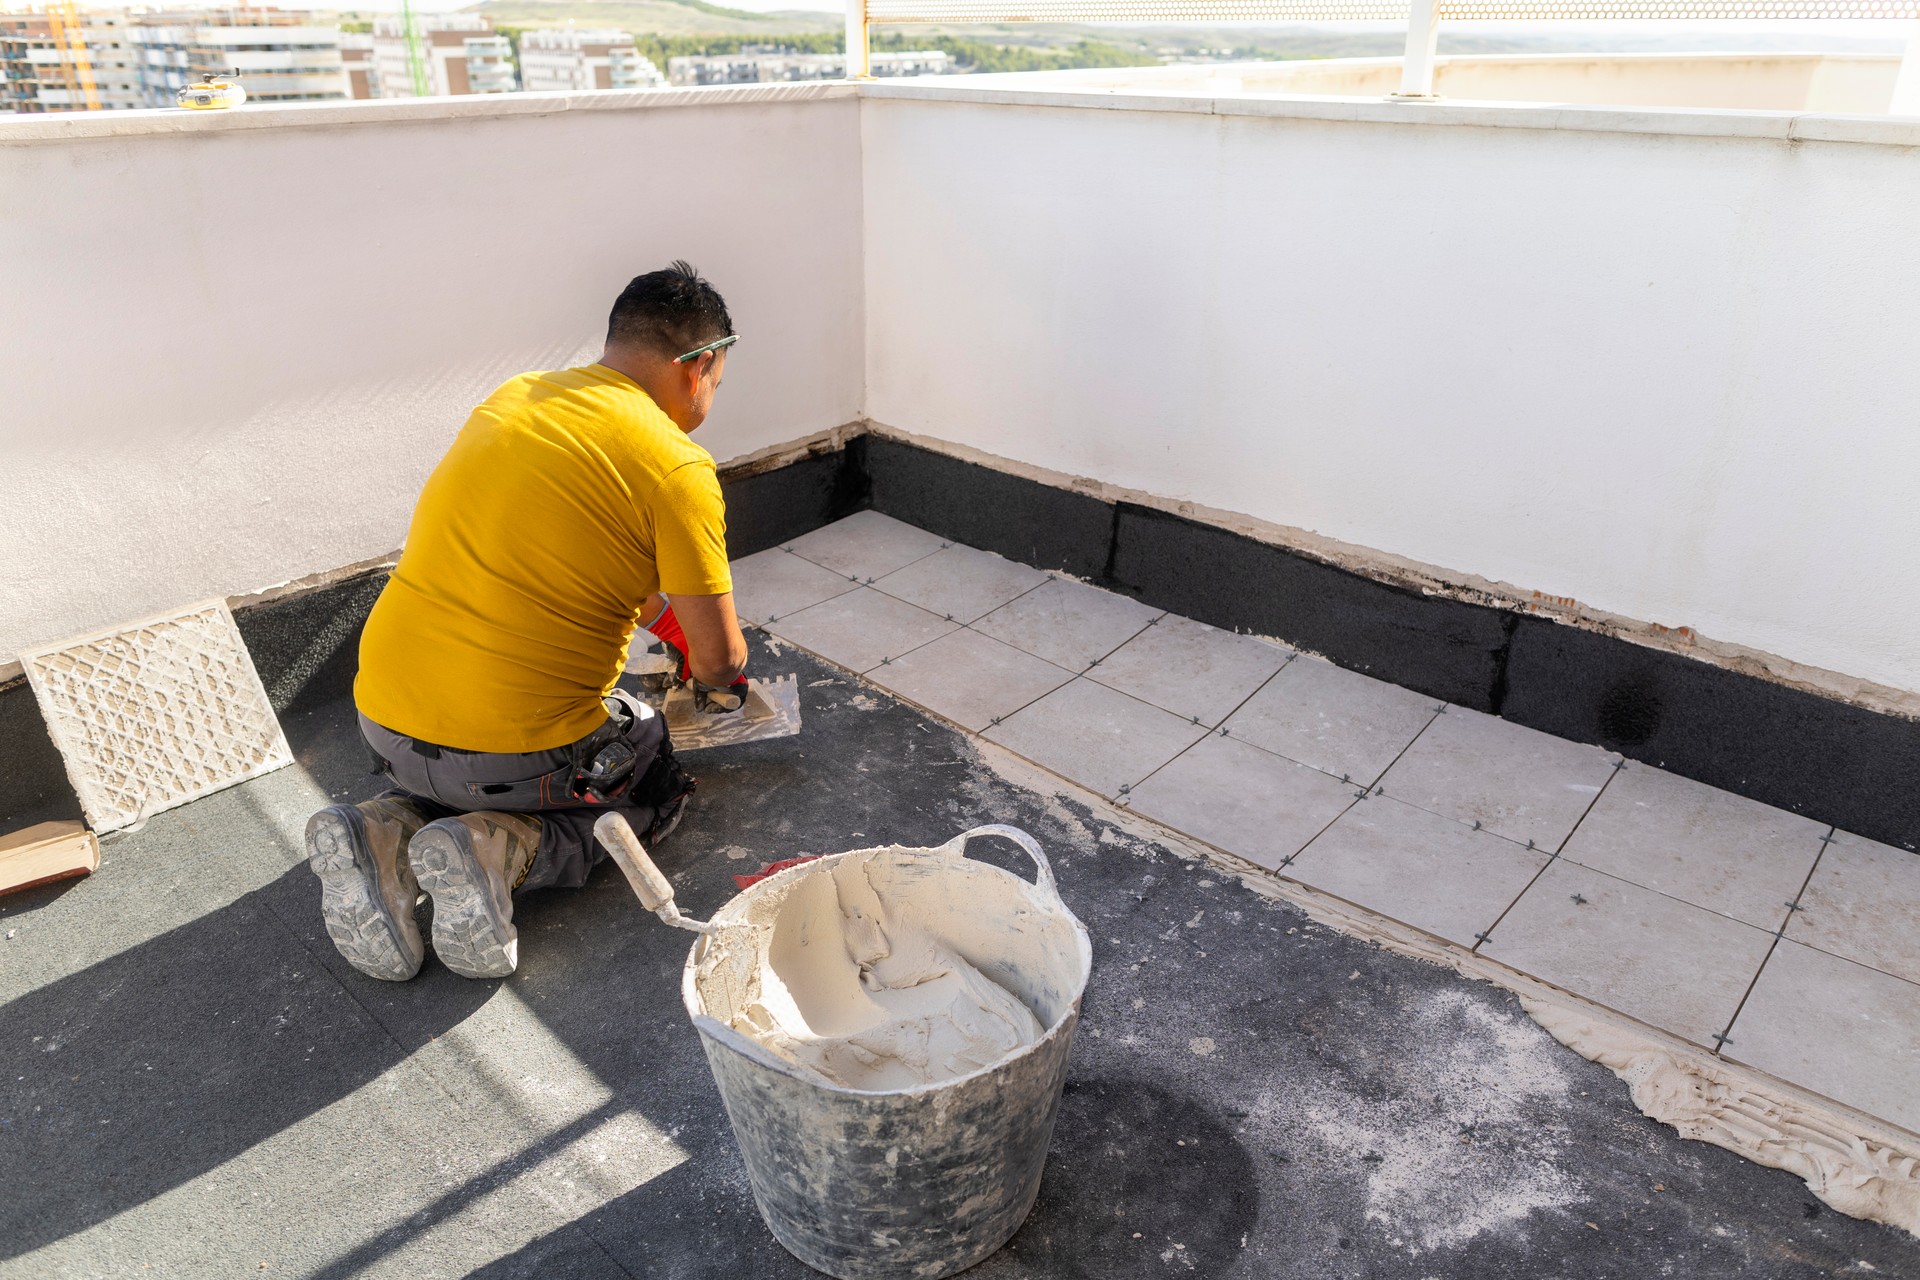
(195, 1084)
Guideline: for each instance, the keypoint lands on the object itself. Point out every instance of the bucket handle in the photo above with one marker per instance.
(957, 848)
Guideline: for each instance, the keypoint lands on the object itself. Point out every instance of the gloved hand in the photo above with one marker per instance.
(712, 700)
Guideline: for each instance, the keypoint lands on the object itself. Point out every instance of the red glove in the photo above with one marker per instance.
(666, 629)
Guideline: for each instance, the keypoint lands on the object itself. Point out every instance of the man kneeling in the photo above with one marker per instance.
(569, 509)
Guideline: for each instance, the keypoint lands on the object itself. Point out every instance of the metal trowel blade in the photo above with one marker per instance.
(771, 710)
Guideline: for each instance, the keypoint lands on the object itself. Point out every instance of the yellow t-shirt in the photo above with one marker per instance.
(566, 499)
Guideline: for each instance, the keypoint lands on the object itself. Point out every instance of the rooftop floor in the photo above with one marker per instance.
(1777, 941)
(196, 1084)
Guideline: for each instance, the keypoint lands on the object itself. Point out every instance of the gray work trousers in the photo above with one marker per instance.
(443, 781)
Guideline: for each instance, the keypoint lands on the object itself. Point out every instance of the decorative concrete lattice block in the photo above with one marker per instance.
(156, 714)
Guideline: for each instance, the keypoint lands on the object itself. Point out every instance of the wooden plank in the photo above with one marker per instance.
(45, 852)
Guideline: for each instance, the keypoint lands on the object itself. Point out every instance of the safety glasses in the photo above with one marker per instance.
(697, 352)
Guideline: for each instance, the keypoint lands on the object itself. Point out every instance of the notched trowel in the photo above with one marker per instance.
(771, 709)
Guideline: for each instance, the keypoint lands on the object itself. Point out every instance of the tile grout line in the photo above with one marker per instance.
(997, 721)
(1725, 1038)
(1481, 938)
(1216, 729)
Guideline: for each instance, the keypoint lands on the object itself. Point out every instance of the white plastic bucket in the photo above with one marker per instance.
(923, 1181)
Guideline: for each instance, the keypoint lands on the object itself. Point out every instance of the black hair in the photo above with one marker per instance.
(668, 312)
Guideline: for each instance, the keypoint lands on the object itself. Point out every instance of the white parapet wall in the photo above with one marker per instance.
(1663, 363)
(233, 346)
(1660, 363)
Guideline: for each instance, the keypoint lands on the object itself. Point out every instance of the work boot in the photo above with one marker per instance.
(367, 888)
(470, 864)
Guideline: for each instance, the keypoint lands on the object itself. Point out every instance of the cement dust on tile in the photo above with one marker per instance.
(866, 545)
(1863, 903)
(1837, 1028)
(1666, 962)
(1096, 736)
(1068, 623)
(1515, 781)
(961, 583)
(1418, 868)
(1239, 798)
(1190, 669)
(969, 678)
(1694, 842)
(771, 584)
(1338, 721)
(862, 628)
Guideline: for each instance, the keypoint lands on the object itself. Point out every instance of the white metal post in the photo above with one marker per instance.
(1906, 89)
(859, 65)
(1423, 40)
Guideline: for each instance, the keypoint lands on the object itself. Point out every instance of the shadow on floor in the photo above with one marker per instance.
(1250, 1095)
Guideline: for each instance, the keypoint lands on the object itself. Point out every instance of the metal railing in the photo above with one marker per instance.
(1422, 17)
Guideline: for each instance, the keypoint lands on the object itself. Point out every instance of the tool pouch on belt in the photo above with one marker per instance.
(612, 765)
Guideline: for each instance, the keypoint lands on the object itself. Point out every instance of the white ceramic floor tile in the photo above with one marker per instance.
(1864, 903)
(1663, 961)
(1068, 623)
(1837, 1028)
(1242, 799)
(1190, 669)
(1338, 721)
(1419, 868)
(861, 628)
(774, 583)
(1517, 782)
(969, 678)
(1100, 738)
(866, 545)
(961, 583)
(1694, 842)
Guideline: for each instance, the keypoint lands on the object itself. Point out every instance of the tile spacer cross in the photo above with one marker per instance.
(1721, 1040)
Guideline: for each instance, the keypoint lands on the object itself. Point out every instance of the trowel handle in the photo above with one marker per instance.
(957, 847)
(652, 888)
(648, 884)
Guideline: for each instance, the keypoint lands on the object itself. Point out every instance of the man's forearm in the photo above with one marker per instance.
(716, 652)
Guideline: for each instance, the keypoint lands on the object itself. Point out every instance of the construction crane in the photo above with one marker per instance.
(416, 58)
(70, 41)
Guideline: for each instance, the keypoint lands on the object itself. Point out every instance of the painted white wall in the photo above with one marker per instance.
(1674, 377)
(231, 355)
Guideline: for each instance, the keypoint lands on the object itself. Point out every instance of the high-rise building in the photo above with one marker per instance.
(356, 58)
(40, 72)
(457, 53)
(565, 58)
(280, 56)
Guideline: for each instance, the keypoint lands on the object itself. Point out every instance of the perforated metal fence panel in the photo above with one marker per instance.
(156, 714)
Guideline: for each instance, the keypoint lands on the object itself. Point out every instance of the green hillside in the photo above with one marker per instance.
(654, 17)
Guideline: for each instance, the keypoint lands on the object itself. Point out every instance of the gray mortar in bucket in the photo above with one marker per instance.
(923, 1181)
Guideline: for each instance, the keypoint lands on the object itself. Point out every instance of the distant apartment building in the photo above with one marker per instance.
(570, 59)
(41, 72)
(356, 59)
(280, 56)
(457, 53)
(759, 65)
